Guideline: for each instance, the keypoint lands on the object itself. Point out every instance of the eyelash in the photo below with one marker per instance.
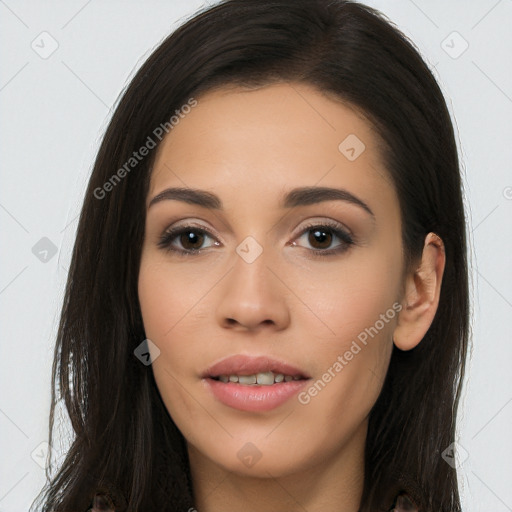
(334, 228)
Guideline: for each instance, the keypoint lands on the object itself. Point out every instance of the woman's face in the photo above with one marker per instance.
(272, 278)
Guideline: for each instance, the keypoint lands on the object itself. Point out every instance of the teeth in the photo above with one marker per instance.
(262, 379)
(266, 379)
(247, 379)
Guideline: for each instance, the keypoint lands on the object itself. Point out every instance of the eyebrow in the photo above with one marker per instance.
(302, 196)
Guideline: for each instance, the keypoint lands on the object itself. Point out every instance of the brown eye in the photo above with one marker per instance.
(186, 240)
(191, 240)
(325, 240)
(320, 238)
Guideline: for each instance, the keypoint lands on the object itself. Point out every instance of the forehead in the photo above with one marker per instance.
(266, 140)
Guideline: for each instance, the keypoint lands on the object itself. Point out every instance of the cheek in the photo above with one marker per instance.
(174, 307)
(358, 306)
(351, 295)
(167, 303)
(162, 306)
(350, 366)
(169, 298)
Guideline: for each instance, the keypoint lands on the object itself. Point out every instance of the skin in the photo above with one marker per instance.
(249, 147)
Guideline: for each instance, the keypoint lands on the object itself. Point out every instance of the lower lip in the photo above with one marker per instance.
(254, 398)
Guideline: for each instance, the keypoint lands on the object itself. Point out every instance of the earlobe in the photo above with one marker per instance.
(421, 297)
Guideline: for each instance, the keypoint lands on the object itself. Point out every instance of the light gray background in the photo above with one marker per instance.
(53, 113)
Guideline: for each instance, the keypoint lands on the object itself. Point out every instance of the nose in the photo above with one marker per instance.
(253, 296)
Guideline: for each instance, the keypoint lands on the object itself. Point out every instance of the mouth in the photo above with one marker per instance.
(254, 383)
(258, 379)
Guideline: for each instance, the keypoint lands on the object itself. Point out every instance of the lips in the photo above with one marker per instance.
(243, 382)
(247, 365)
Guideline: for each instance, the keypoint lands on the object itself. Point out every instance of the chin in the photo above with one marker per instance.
(259, 458)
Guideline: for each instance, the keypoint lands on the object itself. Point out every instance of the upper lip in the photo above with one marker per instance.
(251, 365)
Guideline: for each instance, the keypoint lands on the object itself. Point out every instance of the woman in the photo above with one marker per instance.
(267, 305)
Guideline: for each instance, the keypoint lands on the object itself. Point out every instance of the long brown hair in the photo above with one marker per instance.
(125, 443)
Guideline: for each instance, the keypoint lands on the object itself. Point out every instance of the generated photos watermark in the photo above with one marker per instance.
(151, 142)
(343, 360)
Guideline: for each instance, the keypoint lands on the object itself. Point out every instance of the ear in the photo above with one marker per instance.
(422, 291)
